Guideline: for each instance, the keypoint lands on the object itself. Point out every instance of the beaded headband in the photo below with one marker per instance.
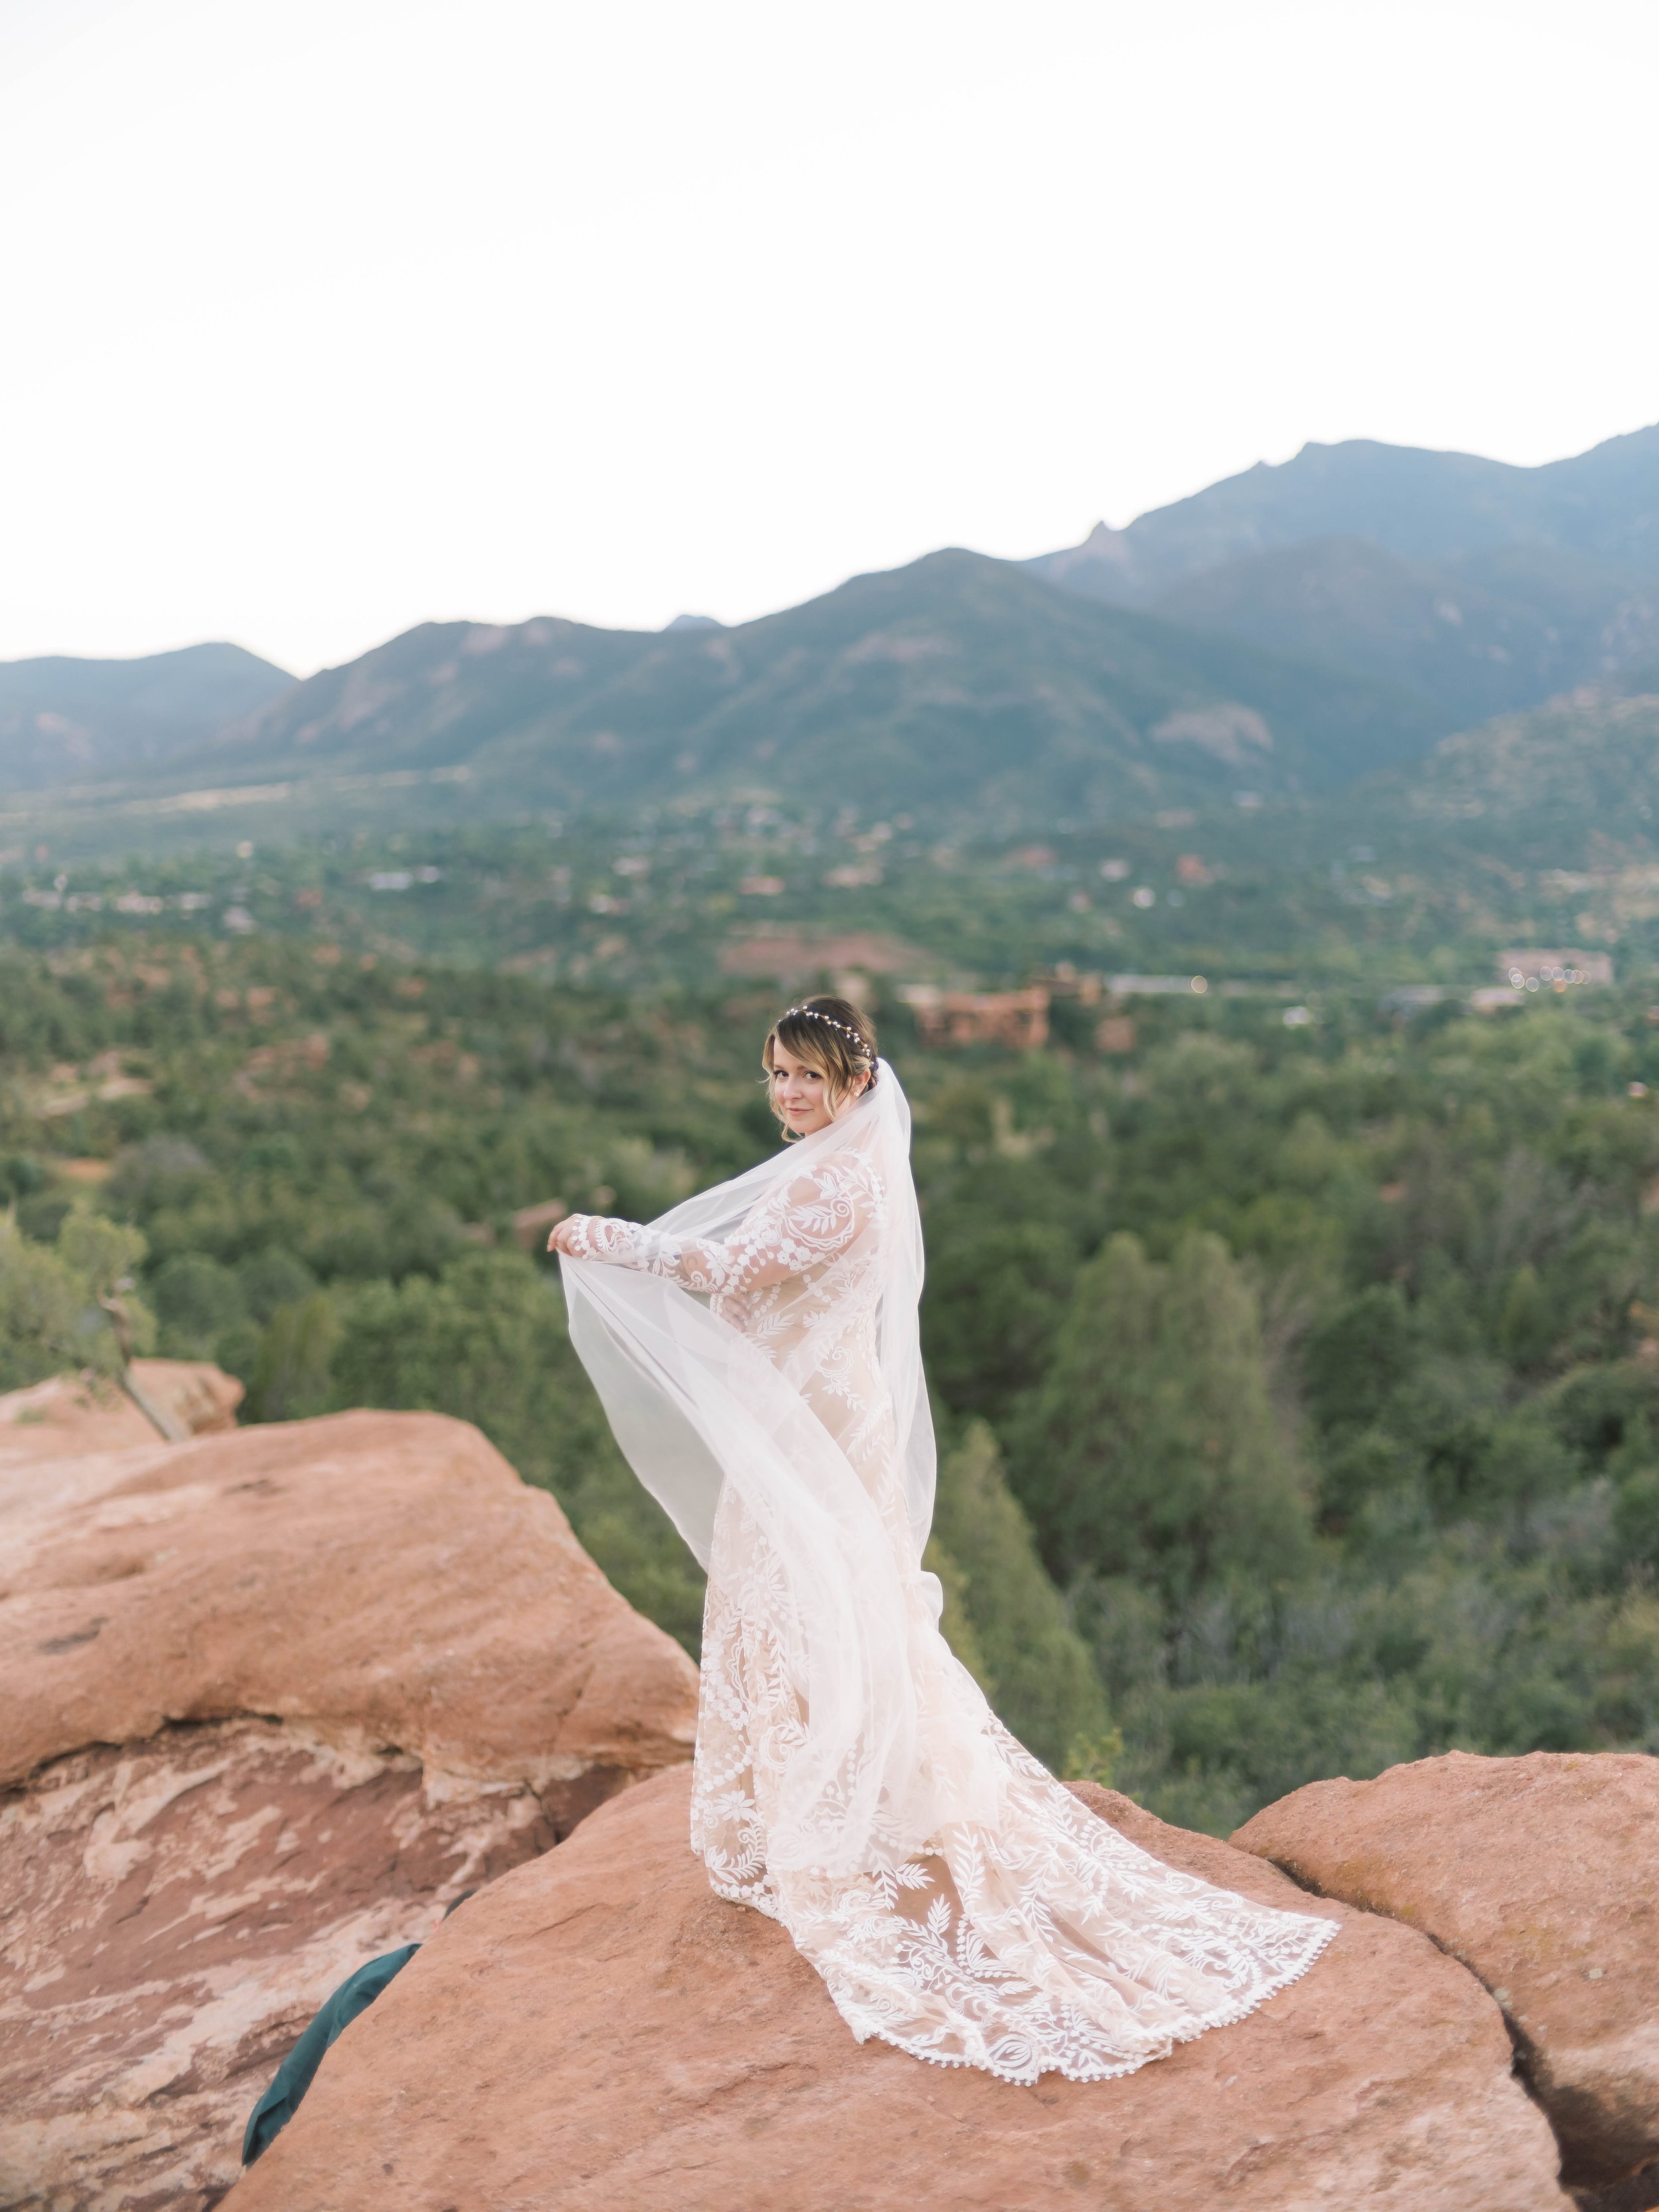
(811, 1014)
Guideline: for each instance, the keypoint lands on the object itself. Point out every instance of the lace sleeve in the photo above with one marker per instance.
(803, 1227)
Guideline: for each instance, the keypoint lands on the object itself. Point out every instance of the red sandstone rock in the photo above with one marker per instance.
(598, 2030)
(383, 1578)
(270, 1697)
(72, 1416)
(1541, 1874)
(175, 1911)
(198, 1396)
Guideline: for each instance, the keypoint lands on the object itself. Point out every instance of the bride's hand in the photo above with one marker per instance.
(562, 1239)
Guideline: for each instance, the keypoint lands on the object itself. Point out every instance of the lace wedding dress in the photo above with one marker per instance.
(756, 1351)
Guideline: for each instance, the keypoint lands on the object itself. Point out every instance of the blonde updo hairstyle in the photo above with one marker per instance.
(829, 1034)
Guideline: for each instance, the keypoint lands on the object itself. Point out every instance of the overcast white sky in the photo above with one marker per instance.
(319, 318)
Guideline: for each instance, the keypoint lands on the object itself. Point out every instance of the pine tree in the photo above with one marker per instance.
(1152, 1449)
(1019, 1644)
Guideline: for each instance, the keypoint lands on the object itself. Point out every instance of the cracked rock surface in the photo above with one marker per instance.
(1541, 1874)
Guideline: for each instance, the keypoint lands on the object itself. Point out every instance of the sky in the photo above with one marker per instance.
(322, 318)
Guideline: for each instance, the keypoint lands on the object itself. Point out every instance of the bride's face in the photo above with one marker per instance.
(800, 1094)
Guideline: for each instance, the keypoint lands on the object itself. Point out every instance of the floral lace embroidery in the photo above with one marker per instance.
(1043, 1940)
(798, 1256)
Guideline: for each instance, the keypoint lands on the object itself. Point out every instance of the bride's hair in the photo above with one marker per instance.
(829, 1034)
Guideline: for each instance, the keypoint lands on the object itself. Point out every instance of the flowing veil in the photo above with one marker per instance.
(696, 1405)
(621, 1312)
(851, 1780)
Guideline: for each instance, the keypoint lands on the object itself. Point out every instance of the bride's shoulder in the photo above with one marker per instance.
(847, 1174)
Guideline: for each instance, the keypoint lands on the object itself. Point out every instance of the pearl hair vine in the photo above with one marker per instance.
(811, 1014)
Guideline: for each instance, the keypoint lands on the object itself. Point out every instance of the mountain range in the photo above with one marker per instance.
(956, 687)
(66, 722)
(1420, 505)
(1481, 586)
(1292, 630)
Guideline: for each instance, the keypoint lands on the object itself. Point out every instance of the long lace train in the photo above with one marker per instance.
(1033, 1939)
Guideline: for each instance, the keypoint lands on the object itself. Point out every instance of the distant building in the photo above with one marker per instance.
(1157, 986)
(1018, 1019)
(1066, 982)
(1538, 970)
(796, 957)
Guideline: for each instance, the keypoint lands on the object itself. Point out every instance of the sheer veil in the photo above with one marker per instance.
(696, 1406)
(647, 1355)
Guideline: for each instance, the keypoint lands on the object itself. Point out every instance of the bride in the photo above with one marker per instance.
(756, 1351)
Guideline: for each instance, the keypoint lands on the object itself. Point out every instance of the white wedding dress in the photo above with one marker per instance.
(756, 1349)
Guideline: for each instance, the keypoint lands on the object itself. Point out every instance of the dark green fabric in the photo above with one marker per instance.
(282, 2100)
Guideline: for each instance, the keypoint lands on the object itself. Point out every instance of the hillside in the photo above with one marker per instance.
(1603, 504)
(957, 688)
(65, 720)
(1579, 777)
(1478, 634)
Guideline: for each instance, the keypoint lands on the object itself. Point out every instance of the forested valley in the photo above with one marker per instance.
(1298, 1379)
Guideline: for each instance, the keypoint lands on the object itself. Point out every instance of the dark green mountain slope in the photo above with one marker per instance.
(433, 697)
(957, 687)
(1422, 506)
(1560, 800)
(1478, 635)
(64, 720)
(1583, 771)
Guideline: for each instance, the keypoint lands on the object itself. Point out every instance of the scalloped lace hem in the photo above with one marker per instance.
(1102, 2070)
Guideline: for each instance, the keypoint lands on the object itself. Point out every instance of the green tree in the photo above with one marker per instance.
(1527, 1327)
(197, 1301)
(1636, 1517)
(47, 1322)
(54, 1298)
(290, 1377)
(994, 1298)
(1152, 1449)
(1358, 1356)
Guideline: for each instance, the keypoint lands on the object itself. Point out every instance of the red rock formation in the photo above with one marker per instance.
(1541, 1874)
(70, 1417)
(598, 2030)
(271, 1696)
(175, 1911)
(190, 1397)
(383, 1578)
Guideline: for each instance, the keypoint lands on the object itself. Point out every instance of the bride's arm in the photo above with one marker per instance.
(811, 1222)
